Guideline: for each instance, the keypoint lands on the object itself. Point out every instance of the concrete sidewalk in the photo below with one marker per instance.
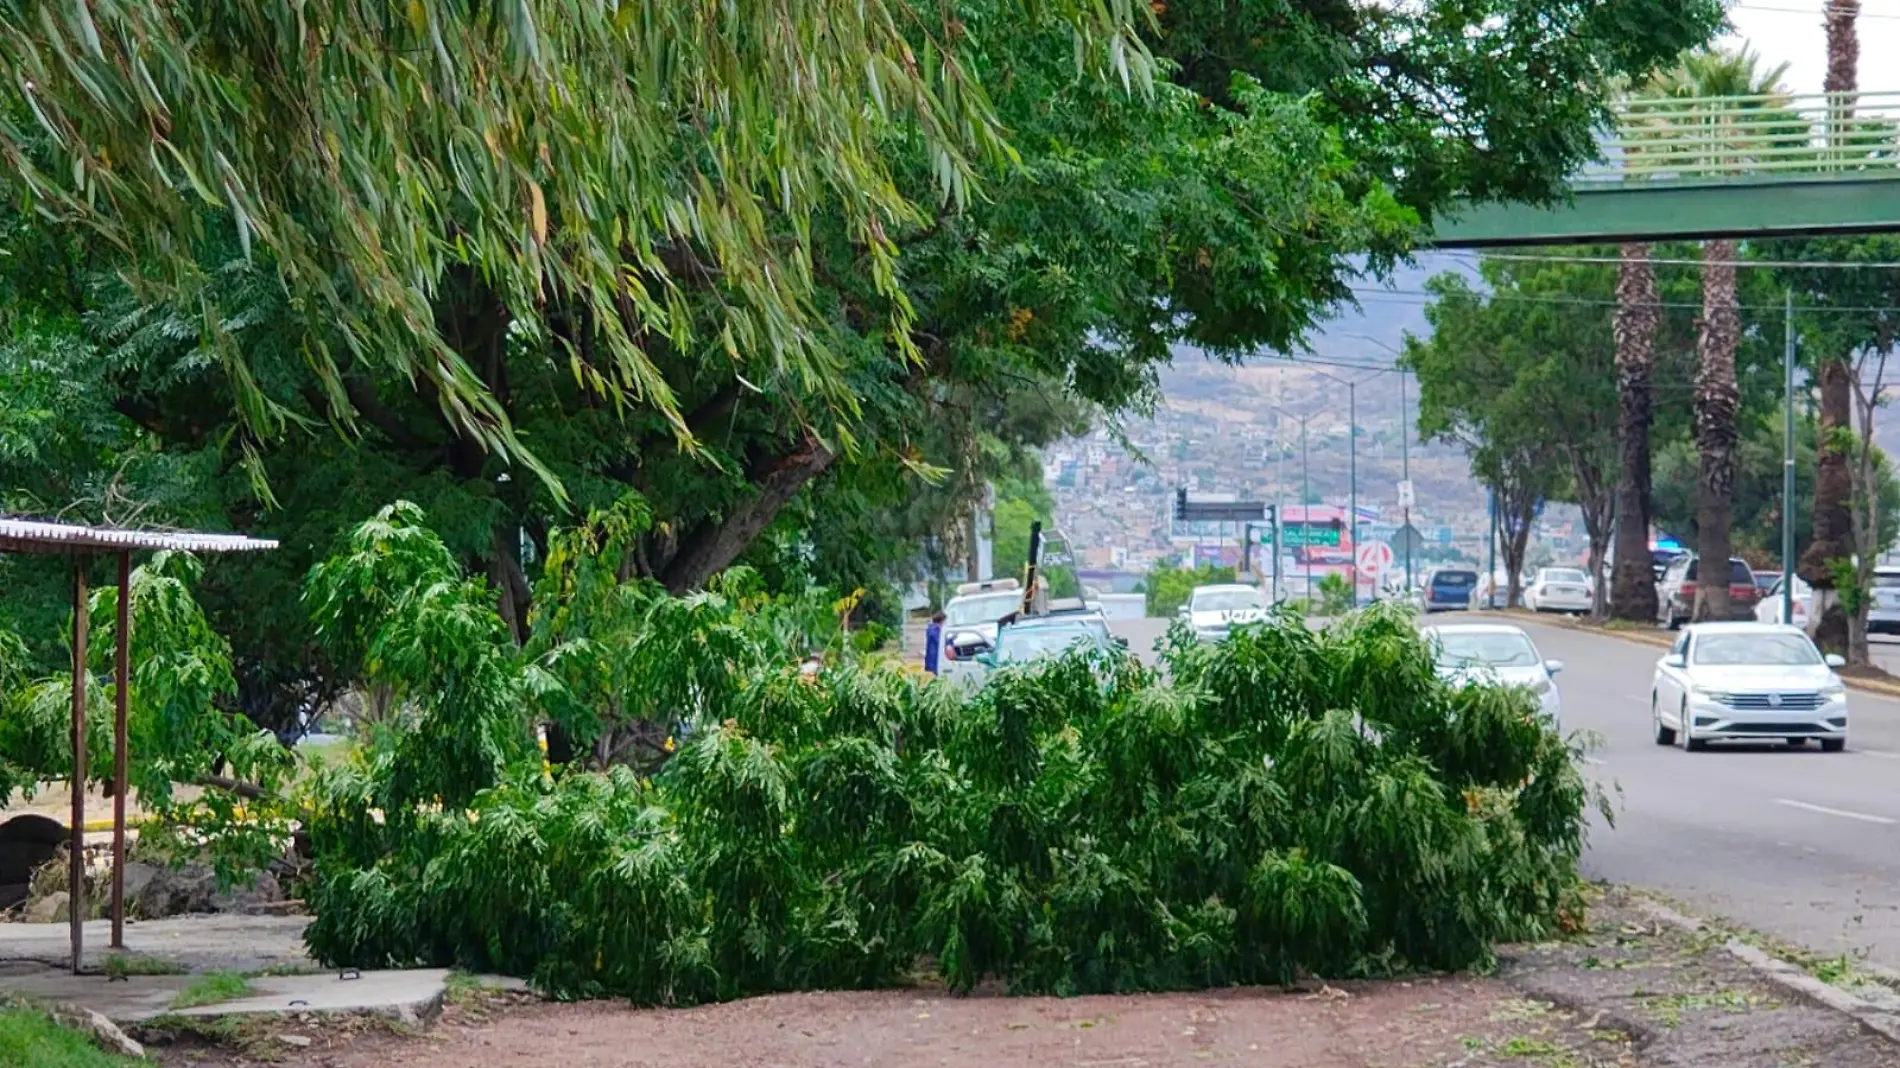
(222, 942)
(409, 996)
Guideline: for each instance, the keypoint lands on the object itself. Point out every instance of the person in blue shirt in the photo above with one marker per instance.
(933, 643)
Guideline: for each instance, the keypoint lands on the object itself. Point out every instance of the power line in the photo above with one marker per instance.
(1525, 257)
(1426, 298)
(1823, 10)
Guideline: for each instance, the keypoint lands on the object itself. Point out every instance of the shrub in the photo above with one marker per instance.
(1284, 802)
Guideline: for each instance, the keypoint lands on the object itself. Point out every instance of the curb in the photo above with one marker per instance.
(1880, 1018)
(1659, 640)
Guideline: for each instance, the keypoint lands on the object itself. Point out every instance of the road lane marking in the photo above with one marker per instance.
(1882, 754)
(1841, 812)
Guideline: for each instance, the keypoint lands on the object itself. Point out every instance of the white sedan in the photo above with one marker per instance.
(1558, 589)
(1497, 652)
(1214, 611)
(1747, 681)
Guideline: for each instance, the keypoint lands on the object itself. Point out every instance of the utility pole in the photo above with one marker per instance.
(1279, 500)
(1405, 464)
(1491, 549)
(1787, 463)
(1306, 512)
(1352, 482)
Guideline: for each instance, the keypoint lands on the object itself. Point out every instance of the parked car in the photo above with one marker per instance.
(1675, 595)
(1030, 638)
(1497, 652)
(1883, 616)
(1768, 609)
(1747, 681)
(975, 610)
(1449, 589)
(1214, 611)
(1558, 589)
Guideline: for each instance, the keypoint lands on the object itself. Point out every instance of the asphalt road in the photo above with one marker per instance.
(1797, 843)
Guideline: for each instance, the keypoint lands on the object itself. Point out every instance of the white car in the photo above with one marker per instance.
(1768, 609)
(1558, 589)
(1497, 652)
(1747, 681)
(1214, 611)
(975, 611)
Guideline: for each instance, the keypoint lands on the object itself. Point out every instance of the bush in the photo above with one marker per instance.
(1289, 802)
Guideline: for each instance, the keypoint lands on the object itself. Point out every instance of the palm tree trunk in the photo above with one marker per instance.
(1716, 400)
(1833, 532)
(1633, 584)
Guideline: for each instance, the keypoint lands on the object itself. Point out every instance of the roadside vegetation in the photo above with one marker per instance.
(1291, 802)
(30, 1038)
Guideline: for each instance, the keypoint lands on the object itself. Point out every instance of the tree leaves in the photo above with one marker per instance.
(1290, 802)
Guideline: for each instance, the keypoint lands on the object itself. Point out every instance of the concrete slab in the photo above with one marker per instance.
(409, 996)
(196, 943)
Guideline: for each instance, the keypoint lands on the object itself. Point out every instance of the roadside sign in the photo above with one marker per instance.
(1407, 498)
(1375, 559)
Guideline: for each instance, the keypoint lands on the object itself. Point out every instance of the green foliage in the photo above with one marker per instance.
(1290, 802)
(1170, 586)
(395, 601)
(211, 988)
(1854, 593)
(1335, 595)
(28, 1036)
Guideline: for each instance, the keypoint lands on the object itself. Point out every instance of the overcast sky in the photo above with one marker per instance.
(1790, 31)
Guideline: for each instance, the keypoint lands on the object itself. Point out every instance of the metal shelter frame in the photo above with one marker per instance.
(81, 542)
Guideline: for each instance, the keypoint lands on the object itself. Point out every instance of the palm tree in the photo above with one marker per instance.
(1726, 135)
(1833, 482)
(1638, 314)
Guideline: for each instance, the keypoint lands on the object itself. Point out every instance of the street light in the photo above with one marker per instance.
(1352, 469)
(1405, 453)
(1306, 494)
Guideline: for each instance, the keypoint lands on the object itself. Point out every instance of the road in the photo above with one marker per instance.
(1797, 843)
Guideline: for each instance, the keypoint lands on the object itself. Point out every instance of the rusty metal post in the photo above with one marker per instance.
(76, 861)
(122, 673)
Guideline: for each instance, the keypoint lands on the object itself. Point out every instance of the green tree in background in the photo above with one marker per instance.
(1170, 586)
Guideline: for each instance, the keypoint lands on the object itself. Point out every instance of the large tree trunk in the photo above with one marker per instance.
(709, 548)
(1633, 585)
(1716, 400)
(1833, 481)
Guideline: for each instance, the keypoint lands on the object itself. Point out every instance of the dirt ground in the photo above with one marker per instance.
(1628, 994)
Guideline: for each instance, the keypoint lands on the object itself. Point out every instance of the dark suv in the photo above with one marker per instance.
(1675, 594)
(1450, 588)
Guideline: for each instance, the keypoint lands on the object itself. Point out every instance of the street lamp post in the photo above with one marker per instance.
(1787, 464)
(1306, 495)
(1405, 451)
(1352, 475)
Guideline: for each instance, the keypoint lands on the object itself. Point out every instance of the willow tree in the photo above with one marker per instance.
(428, 179)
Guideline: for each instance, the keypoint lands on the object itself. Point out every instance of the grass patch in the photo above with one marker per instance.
(29, 1038)
(211, 988)
(119, 964)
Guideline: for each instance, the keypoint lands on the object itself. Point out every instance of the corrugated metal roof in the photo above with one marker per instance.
(35, 535)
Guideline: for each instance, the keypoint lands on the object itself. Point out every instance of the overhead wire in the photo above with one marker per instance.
(1527, 257)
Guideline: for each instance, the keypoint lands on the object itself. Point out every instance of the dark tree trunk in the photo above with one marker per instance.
(1833, 531)
(709, 548)
(1716, 400)
(1633, 584)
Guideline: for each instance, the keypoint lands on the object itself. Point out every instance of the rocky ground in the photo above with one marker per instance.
(1629, 991)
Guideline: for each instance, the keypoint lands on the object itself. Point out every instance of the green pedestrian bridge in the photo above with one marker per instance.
(1681, 168)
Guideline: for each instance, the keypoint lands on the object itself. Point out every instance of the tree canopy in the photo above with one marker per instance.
(806, 309)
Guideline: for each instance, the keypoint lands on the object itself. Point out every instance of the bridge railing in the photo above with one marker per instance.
(1715, 138)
